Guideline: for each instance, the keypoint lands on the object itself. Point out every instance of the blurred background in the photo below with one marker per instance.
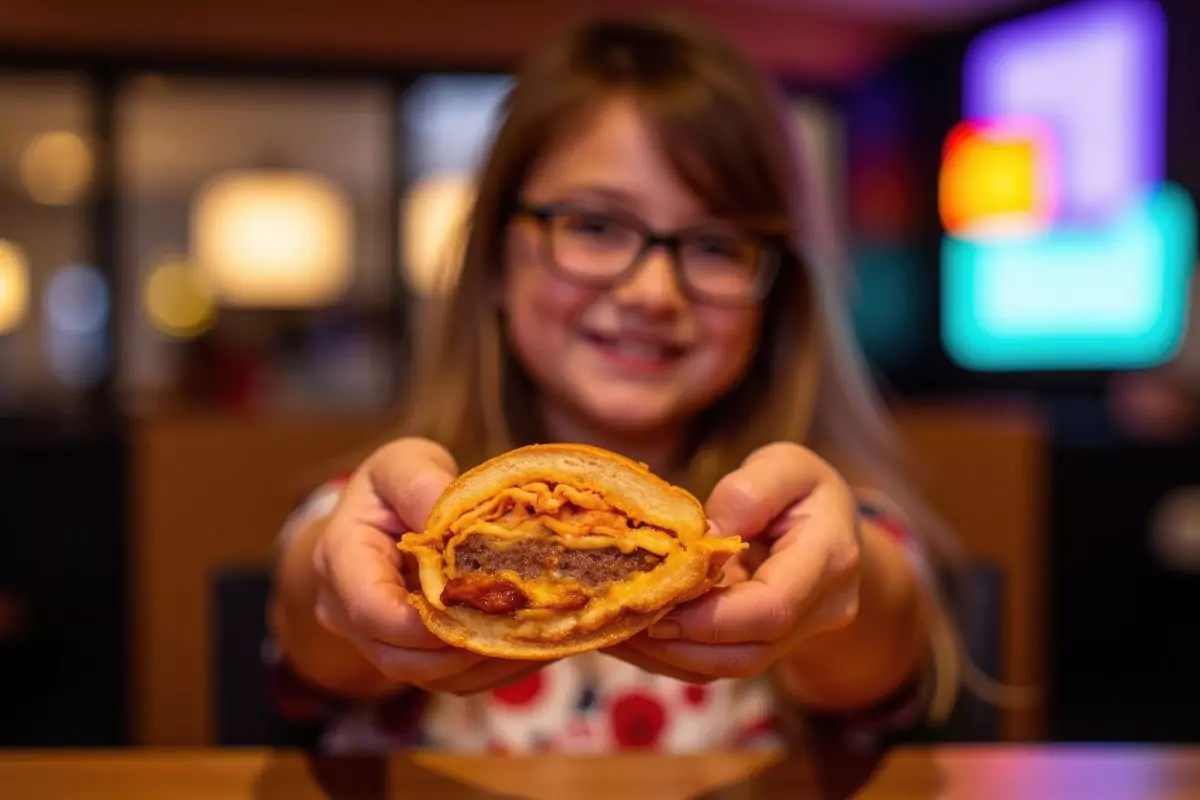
(217, 223)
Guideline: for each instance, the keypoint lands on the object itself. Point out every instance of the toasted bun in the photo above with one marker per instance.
(476, 631)
(626, 486)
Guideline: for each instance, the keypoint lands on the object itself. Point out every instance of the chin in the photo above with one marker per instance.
(625, 418)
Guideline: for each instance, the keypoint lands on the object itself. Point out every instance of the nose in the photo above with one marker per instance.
(654, 287)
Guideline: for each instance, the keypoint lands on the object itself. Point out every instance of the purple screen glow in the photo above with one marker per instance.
(1094, 71)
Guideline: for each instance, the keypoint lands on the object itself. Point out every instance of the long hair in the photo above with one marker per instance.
(728, 136)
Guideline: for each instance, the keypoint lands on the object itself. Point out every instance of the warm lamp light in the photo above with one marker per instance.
(433, 227)
(178, 300)
(56, 168)
(14, 286)
(272, 238)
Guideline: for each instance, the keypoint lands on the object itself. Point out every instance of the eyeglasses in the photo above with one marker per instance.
(602, 249)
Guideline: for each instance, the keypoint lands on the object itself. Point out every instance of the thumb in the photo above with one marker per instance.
(409, 475)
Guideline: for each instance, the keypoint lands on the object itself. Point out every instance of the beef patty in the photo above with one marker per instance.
(595, 567)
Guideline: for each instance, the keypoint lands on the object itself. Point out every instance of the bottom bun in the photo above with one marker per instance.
(478, 632)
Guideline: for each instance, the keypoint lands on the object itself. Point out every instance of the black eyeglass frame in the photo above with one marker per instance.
(768, 270)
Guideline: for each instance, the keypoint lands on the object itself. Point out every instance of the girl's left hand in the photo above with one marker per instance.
(799, 577)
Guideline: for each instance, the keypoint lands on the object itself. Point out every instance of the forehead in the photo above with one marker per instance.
(613, 154)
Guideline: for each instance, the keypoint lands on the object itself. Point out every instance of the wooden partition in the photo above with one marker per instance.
(211, 492)
(985, 470)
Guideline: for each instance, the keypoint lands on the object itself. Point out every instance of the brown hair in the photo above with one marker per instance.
(724, 129)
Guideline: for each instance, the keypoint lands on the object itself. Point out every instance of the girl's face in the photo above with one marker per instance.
(637, 358)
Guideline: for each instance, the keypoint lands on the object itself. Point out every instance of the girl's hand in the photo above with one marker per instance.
(799, 578)
(363, 597)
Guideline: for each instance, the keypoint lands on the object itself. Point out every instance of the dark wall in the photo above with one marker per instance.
(62, 657)
(1123, 625)
(1183, 93)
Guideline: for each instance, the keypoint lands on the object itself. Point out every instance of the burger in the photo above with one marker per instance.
(551, 550)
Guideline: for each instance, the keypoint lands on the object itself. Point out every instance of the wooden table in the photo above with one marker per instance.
(984, 773)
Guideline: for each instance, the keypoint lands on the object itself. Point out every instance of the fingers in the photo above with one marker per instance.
(357, 555)
(707, 660)
(766, 608)
(630, 653)
(422, 659)
(746, 501)
(363, 598)
(363, 595)
(419, 667)
(806, 585)
(409, 475)
(488, 674)
(400, 626)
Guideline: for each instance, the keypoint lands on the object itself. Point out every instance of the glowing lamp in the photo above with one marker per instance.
(433, 229)
(272, 239)
(997, 178)
(178, 300)
(14, 286)
(56, 168)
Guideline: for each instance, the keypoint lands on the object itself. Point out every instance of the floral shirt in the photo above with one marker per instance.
(591, 703)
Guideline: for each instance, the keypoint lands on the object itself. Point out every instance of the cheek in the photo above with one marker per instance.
(729, 338)
(542, 309)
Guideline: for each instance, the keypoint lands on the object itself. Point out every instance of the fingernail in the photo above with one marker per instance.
(665, 630)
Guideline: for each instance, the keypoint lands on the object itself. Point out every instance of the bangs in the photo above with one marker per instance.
(717, 152)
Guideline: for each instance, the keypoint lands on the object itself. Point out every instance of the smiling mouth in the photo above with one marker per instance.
(640, 349)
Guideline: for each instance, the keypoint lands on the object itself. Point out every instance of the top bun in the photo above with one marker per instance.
(623, 483)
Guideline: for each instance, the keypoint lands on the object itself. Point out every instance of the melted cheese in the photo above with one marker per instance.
(651, 540)
(569, 517)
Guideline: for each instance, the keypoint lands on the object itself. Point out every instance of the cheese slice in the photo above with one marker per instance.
(571, 518)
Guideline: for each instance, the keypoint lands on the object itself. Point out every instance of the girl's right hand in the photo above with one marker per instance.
(362, 596)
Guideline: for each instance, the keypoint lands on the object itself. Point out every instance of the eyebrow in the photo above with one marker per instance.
(628, 202)
(599, 191)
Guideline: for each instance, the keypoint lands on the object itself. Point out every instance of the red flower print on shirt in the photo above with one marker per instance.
(754, 730)
(695, 696)
(638, 720)
(521, 693)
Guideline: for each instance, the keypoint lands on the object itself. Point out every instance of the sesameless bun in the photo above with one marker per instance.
(551, 550)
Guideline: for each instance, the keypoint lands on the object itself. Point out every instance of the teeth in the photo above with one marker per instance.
(639, 349)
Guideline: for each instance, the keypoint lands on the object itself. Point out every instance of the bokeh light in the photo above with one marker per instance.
(433, 230)
(14, 286)
(178, 299)
(77, 300)
(273, 238)
(56, 168)
(77, 311)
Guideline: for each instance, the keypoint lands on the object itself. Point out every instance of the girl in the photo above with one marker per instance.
(633, 279)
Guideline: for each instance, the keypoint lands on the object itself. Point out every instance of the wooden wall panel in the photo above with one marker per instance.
(986, 471)
(208, 492)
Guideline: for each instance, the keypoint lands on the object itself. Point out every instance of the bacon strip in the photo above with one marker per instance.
(488, 593)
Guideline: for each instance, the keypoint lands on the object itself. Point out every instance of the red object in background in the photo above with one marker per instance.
(12, 615)
(638, 720)
(880, 192)
(694, 695)
(240, 378)
(521, 693)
